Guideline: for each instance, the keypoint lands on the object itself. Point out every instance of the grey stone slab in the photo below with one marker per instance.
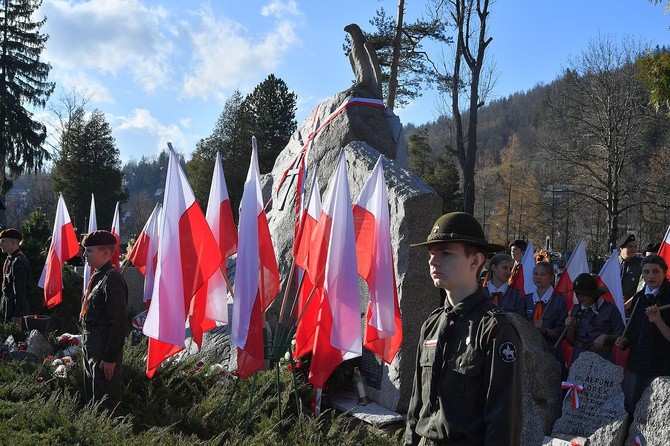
(38, 345)
(372, 413)
(651, 425)
(601, 416)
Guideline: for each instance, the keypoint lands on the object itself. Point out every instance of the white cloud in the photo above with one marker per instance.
(141, 121)
(108, 36)
(227, 55)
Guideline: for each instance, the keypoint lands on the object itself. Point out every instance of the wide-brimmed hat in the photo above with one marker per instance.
(459, 227)
(587, 285)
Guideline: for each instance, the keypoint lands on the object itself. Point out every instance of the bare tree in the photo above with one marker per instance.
(465, 83)
(598, 115)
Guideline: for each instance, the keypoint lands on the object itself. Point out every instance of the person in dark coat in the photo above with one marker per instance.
(15, 273)
(594, 324)
(631, 266)
(467, 383)
(647, 335)
(547, 310)
(103, 321)
(509, 299)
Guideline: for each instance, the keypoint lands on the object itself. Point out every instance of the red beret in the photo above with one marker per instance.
(11, 233)
(98, 238)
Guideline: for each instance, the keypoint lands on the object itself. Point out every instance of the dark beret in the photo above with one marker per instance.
(652, 247)
(11, 233)
(98, 238)
(629, 237)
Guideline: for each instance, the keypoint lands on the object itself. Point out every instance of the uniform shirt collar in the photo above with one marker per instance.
(655, 291)
(595, 307)
(492, 288)
(545, 297)
(104, 267)
(466, 305)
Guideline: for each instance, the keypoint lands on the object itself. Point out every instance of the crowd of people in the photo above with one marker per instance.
(467, 381)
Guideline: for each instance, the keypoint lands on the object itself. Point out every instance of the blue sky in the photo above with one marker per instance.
(161, 70)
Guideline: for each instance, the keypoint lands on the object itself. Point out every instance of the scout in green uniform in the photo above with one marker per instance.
(103, 320)
(467, 384)
(15, 272)
(631, 265)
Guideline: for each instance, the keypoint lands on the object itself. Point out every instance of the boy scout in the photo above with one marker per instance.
(14, 277)
(103, 320)
(467, 384)
(630, 264)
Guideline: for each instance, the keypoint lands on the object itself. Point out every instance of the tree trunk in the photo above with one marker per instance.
(397, 40)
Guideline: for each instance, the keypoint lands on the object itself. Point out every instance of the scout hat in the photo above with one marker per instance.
(11, 233)
(459, 227)
(98, 238)
(587, 285)
(629, 237)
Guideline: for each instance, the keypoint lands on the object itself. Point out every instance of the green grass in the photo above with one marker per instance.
(182, 405)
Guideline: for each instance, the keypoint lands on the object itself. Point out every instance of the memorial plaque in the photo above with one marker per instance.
(597, 411)
(372, 369)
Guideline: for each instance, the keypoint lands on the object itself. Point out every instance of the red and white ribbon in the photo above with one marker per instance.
(377, 103)
(574, 390)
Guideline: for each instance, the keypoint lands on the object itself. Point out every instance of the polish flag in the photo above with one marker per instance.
(92, 226)
(186, 259)
(213, 295)
(374, 255)
(610, 277)
(664, 250)
(116, 230)
(64, 246)
(523, 279)
(333, 264)
(309, 297)
(256, 275)
(144, 254)
(577, 264)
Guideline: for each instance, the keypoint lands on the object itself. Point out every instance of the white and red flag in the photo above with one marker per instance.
(664, 250)
(256, 275)
(374, 255)
(64, 246)
(187, 257)
(577, 264)
(309, 297)
(610, 277)
(213, 295)
(92, 226)
(116, 230)
(332, 263)
(523, 278)
(144, 254)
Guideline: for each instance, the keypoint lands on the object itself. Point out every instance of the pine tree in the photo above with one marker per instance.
(89, 162)
(270, 109)
(23, 82)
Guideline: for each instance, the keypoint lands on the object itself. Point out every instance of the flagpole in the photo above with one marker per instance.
(625, 330)
(300, 232)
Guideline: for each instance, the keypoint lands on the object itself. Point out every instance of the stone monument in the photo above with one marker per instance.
(356, 120)
(593, 407)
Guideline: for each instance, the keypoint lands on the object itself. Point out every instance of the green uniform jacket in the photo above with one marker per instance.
(106, 310)
(15, 282)
(471, 393)
(631, 276)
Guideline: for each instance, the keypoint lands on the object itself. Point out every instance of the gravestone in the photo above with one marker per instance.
(38, 345)
(650, 423)
(540, 383)
(601, 416)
